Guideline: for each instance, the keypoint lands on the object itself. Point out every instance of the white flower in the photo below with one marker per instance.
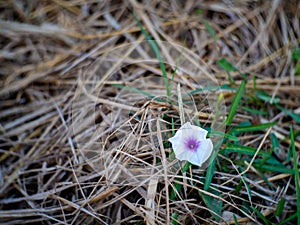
(190, 143)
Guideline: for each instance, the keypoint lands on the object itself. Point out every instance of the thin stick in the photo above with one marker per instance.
(164, 163)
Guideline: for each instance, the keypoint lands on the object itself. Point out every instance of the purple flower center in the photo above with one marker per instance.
(192, 144)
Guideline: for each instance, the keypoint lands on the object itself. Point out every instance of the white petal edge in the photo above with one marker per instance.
(204, 151)
(201, 133)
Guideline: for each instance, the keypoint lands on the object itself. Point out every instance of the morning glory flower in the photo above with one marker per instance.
(190, 143)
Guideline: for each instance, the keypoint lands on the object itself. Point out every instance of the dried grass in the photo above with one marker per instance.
(58, 104)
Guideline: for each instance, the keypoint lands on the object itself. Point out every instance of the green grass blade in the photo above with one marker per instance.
(290, 113)
(209, 174)
(270, 165)
(235, 103)
(266, 221)
(235, 220)
(208, 27)
(254, 111)
(297, 70)
(175, 218)
(176, 189)
(134, 90)
(210, 170)
(280, 207)
(210, 30)
(266, 98)
(293, 216)
(213, 204)
(177, 186)
(296, 169)
(276, 169)
(275, 142)
(254, 127)
(186, 167)
(243, 149)
(296, 54)
(158, 55)
(225, 135)
(226, 65)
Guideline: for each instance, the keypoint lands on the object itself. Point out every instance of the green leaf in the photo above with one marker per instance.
(207, 25)
(210, 30)
(213, 204)
(296, 172)
(228, 136)
(235, 220)
(199, 11)
(271, 164)
(176, 189)
(254, 111)
(244, 124)
(277, 168)
(210, 171)
(186, 167)
(296, 54)
(243, 149)
(280, 207)
(293, 216)
(212, 165)
(158, 55)
(254, 127)
(238, 187)
(266, 221)
(290, 113)
(235, 103)
(269, 159)
(178, 186)
(175, 218)
(226, 65)
(275, 142)
(266, 98)
(245, 207)
(297, 70)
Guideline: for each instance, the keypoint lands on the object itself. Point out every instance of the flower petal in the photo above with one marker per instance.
(176, 140)
(178, 147)
(183, 144)
(182, 154)
(193, 159)
(201, 133)
(204, 151)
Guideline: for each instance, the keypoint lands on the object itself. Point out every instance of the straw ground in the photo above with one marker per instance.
(83, 145)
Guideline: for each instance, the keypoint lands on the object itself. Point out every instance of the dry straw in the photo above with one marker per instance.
(47, 50)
